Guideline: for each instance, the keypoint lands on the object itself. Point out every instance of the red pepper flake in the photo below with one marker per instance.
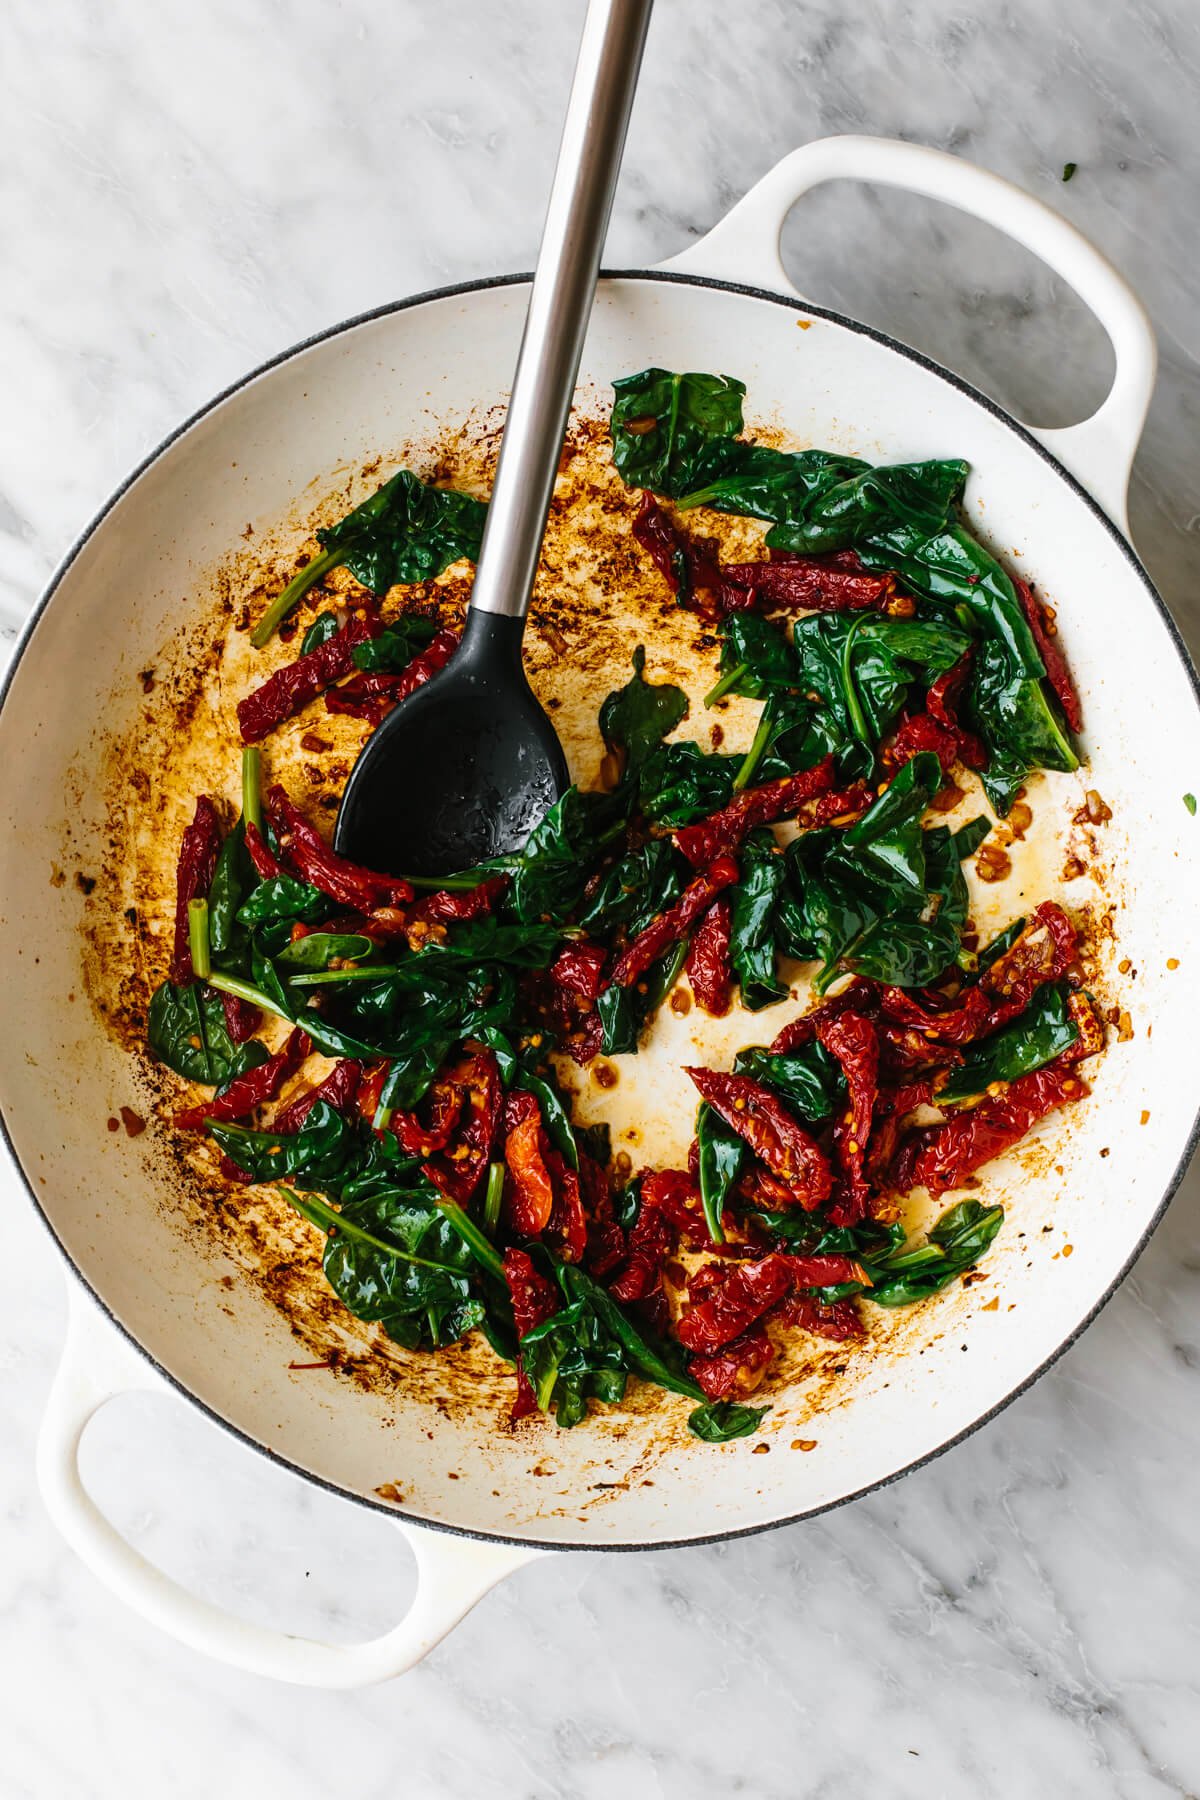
(133, 1122)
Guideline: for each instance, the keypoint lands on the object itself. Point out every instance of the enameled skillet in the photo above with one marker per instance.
(146, 1307)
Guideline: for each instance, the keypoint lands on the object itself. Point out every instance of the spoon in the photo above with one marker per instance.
(466, 767)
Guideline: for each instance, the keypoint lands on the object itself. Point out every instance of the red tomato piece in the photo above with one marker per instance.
(854, 1042)
(708, 966)
(339, 1090)
(721, 834)
(292, 687)
(529, 1191)
(735, 1371)
(772, 1133)
(247, 1091)
(743, 1294)
(673, 924)
(951, 1152)
(533, 1302)
(839, 1320)
(579, 968)
(346, 882)
(460, 1167)
(1045, 634)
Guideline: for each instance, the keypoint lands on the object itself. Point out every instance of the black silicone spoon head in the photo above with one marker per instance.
(461, 771)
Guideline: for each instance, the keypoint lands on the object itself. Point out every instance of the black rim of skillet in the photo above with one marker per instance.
(793, 304)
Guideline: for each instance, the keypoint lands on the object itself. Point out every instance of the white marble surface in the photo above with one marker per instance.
(186, 188)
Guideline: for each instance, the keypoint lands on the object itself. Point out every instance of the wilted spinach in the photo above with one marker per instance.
(405, 531)
(955, 1244)
(673, 432)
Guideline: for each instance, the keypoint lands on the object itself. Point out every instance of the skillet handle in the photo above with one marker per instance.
(452, 1572)
(744, 247)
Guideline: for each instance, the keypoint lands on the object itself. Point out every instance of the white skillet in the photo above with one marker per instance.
(147, 1309)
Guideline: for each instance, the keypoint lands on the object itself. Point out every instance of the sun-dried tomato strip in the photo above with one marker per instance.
(198, 850)
(533, 1302)
(247, 1091)
(720, 834)
(858, 996)
(937, 729)
(242, 1017)
(832, 583)
(291, 688)
(605, 1239)
(372, 695)
(691, 566)
(424, 1137)
(339, 1090)
(579, 968)
(1045, 636)
(673, 924)
(708, 965)
(853, 1041)
(958, 1021)
(745, 1292)
(736, 1370)
(652, 1240)
(839, 1320)
(953, 1151)
(460, 1167)
(1045, 950)
(772, 1133)
(1090, 1026)
(346, 882)
(266, 864)
(446, 907)
(567, 1223)
(529, 1190)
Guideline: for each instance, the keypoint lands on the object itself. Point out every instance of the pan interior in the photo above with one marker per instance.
(122, 710)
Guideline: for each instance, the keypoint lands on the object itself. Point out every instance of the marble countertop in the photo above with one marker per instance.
(186, 189)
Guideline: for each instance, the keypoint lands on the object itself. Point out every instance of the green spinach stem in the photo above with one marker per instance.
(492, 1197)
(723, 686)
(252, 786)
(482, 1248)
(295, 590)
(198, 944)
(245, 990)
(755, 753)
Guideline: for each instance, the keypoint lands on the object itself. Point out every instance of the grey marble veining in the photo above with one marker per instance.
(186, 189)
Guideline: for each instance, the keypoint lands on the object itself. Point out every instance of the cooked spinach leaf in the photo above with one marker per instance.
(405, 531)
(673, 432)
(636, 718)
(955, 1244)
(185, 1028)
(720, 1421)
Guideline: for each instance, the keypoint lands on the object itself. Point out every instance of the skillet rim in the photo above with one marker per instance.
(678, 278)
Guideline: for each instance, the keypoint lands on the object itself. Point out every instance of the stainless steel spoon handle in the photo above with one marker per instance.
(560, 303)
